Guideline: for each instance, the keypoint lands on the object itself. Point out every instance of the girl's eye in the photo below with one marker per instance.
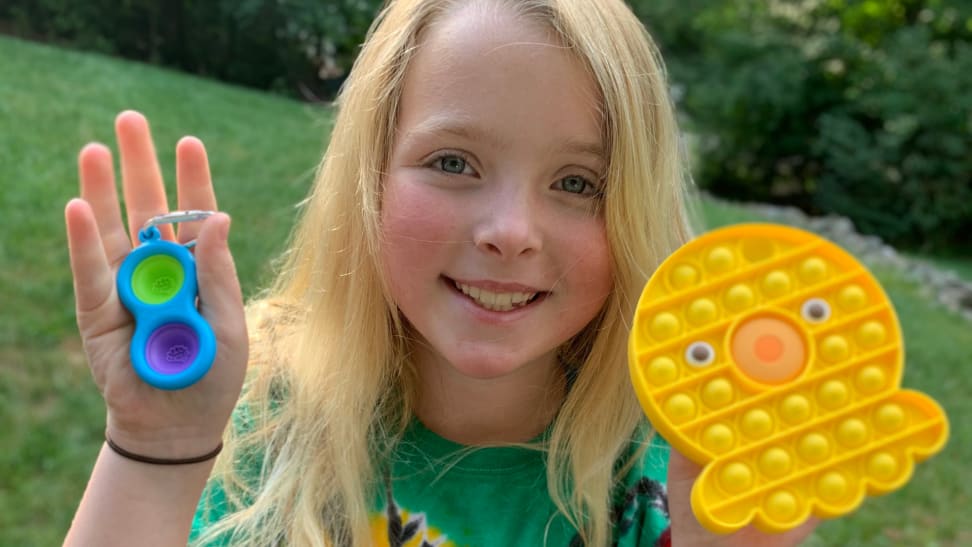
(451, 164)
(577, 185)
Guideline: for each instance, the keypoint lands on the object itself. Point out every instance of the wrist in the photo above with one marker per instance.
(165, 443)
(161, 460)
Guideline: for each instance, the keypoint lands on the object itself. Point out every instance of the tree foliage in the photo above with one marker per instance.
(290, 46)
(860, 108)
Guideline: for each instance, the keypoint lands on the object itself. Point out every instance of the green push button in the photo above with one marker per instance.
(157, 279)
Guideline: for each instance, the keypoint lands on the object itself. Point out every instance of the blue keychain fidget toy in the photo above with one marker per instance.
(173, 346)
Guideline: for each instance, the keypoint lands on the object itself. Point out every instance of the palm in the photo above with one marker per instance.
(138, 413)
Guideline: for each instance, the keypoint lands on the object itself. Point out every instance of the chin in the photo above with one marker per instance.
(489, 367)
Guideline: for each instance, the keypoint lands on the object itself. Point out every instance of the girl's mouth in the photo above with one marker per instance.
(497, 301)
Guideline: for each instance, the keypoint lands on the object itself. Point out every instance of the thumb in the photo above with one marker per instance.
(221, 301)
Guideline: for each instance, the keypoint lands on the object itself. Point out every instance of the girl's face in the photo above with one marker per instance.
(492, 244)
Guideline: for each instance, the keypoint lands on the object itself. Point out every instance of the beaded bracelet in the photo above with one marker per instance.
(161, 461)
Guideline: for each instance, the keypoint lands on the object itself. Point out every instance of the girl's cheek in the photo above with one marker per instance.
(599, 265)
(418, 224)
(413, 214)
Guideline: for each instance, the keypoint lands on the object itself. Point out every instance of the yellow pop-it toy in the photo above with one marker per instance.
(774, 358)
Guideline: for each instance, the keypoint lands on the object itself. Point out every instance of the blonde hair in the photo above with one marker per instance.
(332, 388)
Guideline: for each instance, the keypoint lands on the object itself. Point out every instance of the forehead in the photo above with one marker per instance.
(483, 61)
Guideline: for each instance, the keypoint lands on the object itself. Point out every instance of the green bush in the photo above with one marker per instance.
(293, 46)
(859, 108)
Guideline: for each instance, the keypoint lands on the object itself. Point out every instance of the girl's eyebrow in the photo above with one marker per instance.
(457, 127)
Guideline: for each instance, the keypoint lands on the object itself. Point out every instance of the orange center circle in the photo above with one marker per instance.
(768, 349)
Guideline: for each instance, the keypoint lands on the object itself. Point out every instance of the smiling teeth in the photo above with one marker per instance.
(496, 301)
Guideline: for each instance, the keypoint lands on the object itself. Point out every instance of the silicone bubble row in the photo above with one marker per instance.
(683, 316)
(875, 425)
(855, 339)
(833, 490)
(788, 411)
(728, 257)
(692, 311)
(684, 361)
(688, 404)
(760, 420)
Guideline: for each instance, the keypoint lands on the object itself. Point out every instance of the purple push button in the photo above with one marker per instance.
(172, 348)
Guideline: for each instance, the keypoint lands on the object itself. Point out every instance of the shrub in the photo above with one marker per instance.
(856, 108)
(295, 46)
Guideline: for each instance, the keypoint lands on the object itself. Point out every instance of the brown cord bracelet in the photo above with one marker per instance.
(160, 461)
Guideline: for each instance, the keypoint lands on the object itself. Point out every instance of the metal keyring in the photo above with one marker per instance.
(175, 217)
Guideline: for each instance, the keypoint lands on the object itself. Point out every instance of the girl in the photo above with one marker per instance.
(442, 358)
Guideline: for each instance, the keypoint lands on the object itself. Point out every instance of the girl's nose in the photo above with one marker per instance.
(509, 226)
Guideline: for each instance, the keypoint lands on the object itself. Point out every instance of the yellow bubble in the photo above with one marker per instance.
(718, 438)
(870, 379)
(871, 334)
(889, 417)
(719, 260)
(702, 311)
(665, 325)
(776, 283)
(834, 348)
(781, 505)
(812, 270)
(684, 276)
(680, 408)
(813, 447)
(757, 423)
(852, 298)
(775, 462)
(795, 409)
(833, 394)
(832, 486)
(735, 477)
(717, 393)
(883, 466)
(662, 370)
(740, 297)
(852, 432)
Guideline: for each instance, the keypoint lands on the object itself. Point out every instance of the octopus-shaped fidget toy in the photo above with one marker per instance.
(774, 359)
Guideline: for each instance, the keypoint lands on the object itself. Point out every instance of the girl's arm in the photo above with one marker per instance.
(129, 502)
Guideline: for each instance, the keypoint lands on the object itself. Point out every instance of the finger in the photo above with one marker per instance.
(221, 301)
(93, 279)
(141, 177)
(98, 190)
(195, 187)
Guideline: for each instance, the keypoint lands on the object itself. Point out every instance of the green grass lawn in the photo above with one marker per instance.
(263, 151)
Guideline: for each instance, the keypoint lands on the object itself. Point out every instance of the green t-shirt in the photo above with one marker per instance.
(439, 493)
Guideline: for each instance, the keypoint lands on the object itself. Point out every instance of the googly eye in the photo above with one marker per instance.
(815, 310)
(700, 354)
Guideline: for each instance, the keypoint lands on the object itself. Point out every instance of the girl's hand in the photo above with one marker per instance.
(686, 530)
(142, 419)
